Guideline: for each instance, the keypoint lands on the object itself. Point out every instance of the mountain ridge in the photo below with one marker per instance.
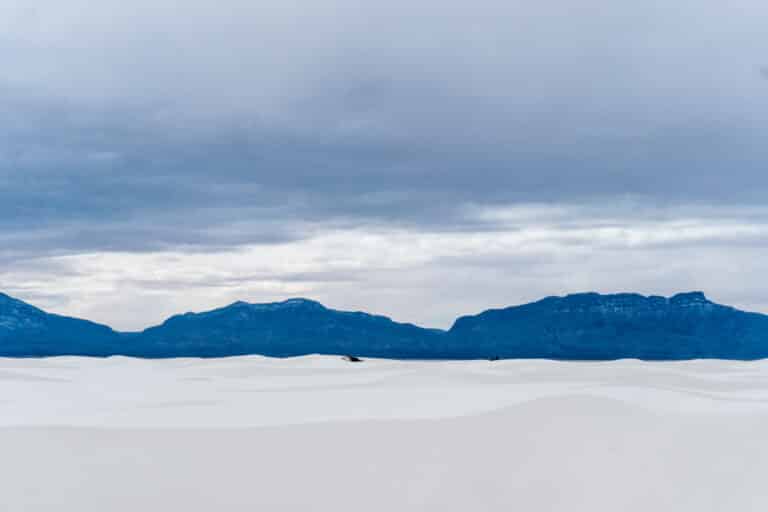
(576, 326)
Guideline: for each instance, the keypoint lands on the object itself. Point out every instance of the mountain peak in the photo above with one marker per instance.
(7, 301)
(629, 300)
(293, 303)
(690, 298)
(299, 302)
(6, 298)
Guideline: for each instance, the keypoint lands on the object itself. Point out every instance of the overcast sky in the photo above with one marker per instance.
(415, 159)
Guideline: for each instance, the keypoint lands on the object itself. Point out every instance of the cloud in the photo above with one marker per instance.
(418, 275)
(471, 133)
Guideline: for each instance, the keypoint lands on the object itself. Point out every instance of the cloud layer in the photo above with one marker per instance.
(217, 131)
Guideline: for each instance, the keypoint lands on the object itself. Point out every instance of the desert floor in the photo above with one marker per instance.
(322, 434)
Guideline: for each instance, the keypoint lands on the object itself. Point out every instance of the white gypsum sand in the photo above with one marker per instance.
(320, 433)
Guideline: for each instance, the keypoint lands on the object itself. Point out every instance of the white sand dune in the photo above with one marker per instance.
(318, 433)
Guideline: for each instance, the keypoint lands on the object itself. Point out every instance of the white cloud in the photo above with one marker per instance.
(417, 275)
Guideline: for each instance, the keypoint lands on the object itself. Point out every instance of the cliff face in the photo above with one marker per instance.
(593, 326)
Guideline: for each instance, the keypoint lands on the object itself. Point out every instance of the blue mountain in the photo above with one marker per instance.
(594, 326)
(582, 326)
(290, 328)
(28, 331)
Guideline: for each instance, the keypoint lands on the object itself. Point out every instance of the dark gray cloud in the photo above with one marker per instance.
(163, 123)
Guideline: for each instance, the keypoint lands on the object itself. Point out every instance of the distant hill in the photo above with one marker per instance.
(585, 326)
(594, 326)
(28, 331)
(291, 328)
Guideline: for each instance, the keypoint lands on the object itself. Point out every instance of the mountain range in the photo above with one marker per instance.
(586, 326)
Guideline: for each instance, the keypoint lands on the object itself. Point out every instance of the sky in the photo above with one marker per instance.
(421, 160)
